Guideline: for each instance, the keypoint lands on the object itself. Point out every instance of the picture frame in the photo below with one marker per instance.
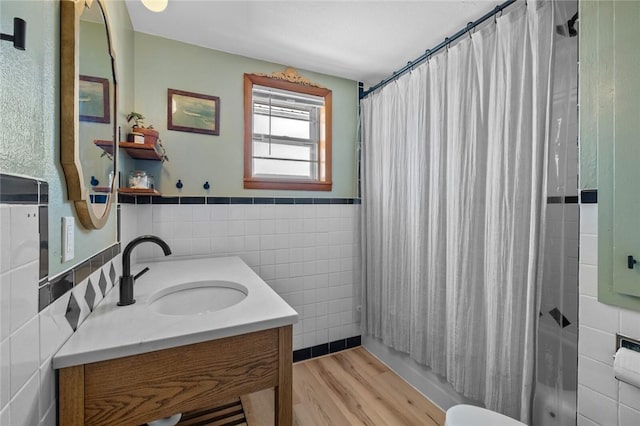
(93, 99)
(193, 112)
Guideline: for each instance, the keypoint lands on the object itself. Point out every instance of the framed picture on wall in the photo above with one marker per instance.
(193, 112)
(93, 99)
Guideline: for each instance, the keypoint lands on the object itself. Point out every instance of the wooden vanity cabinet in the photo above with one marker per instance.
(136, 389)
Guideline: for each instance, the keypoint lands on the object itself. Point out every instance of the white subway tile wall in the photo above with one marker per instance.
(28, 338)
(602, 400)
(306, 252)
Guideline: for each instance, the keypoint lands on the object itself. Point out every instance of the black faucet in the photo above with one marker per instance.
(126, 280)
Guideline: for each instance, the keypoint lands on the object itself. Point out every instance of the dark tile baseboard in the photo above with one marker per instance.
(326, 348)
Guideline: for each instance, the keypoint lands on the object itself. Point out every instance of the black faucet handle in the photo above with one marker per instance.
(141, 273)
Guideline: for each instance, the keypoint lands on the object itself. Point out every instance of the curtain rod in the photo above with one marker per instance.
(430, 52)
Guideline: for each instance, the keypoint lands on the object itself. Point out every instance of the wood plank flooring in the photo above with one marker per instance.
(351, 387)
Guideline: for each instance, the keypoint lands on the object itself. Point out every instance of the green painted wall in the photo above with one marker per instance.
(609, 125)
(161, 64)
(30, 113)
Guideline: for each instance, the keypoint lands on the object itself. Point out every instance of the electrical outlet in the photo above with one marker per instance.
(68, 231)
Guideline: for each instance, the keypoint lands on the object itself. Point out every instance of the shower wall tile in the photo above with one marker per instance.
(24, 406)
(47, 397)
(597, 376)
(630, 396)
(597, 407)
(628, 416)
(5, 418)
(306, 252)
(24, 294)
(5, 305)
(5, 238)
(588, 249)
(24, 355)
(597, 345)
(629, 323)
(589, 219)
(5, 373)
(598, 403)
(50, 418)
(598, 315)
(25, 236)
(583, 421)
(588, 280)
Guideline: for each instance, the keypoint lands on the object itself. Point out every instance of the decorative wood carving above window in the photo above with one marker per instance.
(287, 123)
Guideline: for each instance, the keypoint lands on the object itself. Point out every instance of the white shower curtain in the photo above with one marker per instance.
(454, 159)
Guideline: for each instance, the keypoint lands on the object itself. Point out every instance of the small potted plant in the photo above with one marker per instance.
(149, 135)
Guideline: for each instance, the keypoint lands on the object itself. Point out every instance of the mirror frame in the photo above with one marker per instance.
(77, 191)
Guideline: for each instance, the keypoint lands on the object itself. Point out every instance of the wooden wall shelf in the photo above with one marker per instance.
(106, 146)
(138, 191)
(101, 189)
(141, 151)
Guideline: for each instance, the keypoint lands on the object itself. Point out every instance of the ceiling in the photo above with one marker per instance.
(358, 39)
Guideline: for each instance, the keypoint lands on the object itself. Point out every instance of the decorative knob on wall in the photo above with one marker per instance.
(206, 185)
(179, 184)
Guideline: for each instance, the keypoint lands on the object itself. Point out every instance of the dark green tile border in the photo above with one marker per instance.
(58, 286)
(589, 196)
(19, 190)
(145, 199)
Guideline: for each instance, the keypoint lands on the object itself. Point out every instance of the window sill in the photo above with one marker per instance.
(293, 185)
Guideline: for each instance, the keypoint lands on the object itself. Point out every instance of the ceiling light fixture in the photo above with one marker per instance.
(155, 5)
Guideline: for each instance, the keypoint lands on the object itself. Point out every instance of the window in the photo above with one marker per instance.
(287, 135)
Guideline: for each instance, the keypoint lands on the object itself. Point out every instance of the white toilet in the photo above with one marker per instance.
(470, 415)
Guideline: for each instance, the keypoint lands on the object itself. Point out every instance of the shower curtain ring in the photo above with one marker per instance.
(469, 28)
(447, 43)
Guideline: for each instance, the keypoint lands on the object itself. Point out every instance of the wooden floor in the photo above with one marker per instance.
(347, 388)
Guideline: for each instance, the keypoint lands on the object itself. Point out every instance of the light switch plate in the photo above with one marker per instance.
(68, 231)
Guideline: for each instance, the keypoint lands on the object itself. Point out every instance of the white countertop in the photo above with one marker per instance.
(113, 331)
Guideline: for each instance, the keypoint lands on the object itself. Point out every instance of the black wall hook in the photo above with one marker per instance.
(19, 35)
(179, 184)
(206, 185)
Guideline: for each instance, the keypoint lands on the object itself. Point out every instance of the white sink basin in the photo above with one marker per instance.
(197, 297)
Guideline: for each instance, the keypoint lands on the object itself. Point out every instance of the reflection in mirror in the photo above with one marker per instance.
(95, 86)
(88, 99)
